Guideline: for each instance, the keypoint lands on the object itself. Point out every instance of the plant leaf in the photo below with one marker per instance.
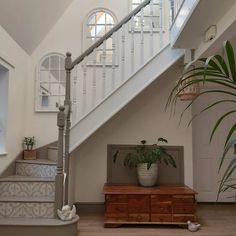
(231, 60)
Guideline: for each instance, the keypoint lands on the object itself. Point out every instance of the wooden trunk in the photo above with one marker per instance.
(130, 204)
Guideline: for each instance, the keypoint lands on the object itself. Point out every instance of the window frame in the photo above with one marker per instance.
(85, 44)
(38, 105)
(155, 30)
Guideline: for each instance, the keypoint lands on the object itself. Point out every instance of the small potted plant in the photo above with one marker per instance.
(29, 153)
(144, 158)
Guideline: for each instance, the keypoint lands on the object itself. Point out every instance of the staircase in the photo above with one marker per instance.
(94, 93)
(27, 201)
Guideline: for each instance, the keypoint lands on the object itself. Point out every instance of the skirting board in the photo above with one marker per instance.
(89, 207)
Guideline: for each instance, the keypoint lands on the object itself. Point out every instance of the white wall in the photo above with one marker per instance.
(143, 118)
(17, 61)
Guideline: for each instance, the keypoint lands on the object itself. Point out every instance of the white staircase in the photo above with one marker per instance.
(120, 97)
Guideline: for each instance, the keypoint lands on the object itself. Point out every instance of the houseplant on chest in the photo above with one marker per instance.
(29, 143)
(144, 158)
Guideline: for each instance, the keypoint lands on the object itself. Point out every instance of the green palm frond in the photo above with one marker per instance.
(214, 70)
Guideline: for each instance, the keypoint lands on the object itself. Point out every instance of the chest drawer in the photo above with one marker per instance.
(138, 204)
(161, 198)
(116, 198)
(183, 218)
(162, 208)
(161, 218)
(138, 217)
(183, 198)
(116, 207)
(120, 217)
(184, 208)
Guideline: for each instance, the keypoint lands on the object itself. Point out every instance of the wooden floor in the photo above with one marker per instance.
(217, 220)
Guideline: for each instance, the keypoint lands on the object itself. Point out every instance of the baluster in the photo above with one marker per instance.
(104, 69)
(132, 44)
(59, 181)
(67, 103)
(142, 38)
(123, 54)
(94, 93)
(161, 22)
(74, 99)
(151, 27)
(84, 106)
(113, 62)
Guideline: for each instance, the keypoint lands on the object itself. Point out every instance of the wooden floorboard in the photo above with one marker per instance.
(216, 220)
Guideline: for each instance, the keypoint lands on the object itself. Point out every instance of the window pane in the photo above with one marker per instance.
(54, 89)
(109, 19)
(62, 63)
(100, 30)
(55, 76)
(54, 60)
(44, 101)
(53, 102)
(100, 18)
(92, 19)
(44, 76)
(45, 63)
(62, 76)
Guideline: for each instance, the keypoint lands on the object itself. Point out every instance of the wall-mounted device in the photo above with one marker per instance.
(210, 33)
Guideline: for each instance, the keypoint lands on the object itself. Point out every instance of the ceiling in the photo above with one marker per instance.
(207, 13)
(29, 21)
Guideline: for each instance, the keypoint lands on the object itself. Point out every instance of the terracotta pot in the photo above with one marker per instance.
(29, 154)
(147, 177)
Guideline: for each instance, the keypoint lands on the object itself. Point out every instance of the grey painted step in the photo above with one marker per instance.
(27, 209)
(27, 199)
(42, 168)
(25, 186)
(38, 227)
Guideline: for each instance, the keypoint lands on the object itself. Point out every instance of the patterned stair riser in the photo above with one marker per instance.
(27, 189)
(35, 170)
(26, 210)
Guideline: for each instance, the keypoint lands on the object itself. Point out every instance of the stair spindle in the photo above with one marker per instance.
(104, 69)
(123, 53)
(132, 44)
(114, 51)
(84, 106)
(151, 27)
(94, 83)
(142, 37)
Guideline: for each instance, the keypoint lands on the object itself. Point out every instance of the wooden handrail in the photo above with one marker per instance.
(109, 33)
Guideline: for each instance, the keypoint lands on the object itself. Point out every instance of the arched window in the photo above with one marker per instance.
(50, 91)
(153, 19)
(97, 23)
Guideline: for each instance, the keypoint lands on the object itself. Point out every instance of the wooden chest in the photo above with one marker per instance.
(130, 204)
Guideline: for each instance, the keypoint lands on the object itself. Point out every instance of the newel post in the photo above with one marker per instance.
(59, 188)
(67, 103)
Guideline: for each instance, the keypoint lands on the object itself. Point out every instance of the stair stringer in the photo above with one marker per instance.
(149, 72)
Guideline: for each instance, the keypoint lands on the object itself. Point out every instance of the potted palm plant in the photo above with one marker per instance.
(145, 158)
(29, 143)
(220, 71)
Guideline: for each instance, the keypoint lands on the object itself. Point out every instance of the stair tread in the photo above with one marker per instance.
(35, 222)
(38, 162)
(27, 199)
(21, 178)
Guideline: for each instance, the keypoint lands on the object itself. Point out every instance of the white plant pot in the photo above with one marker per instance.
(147, 177)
